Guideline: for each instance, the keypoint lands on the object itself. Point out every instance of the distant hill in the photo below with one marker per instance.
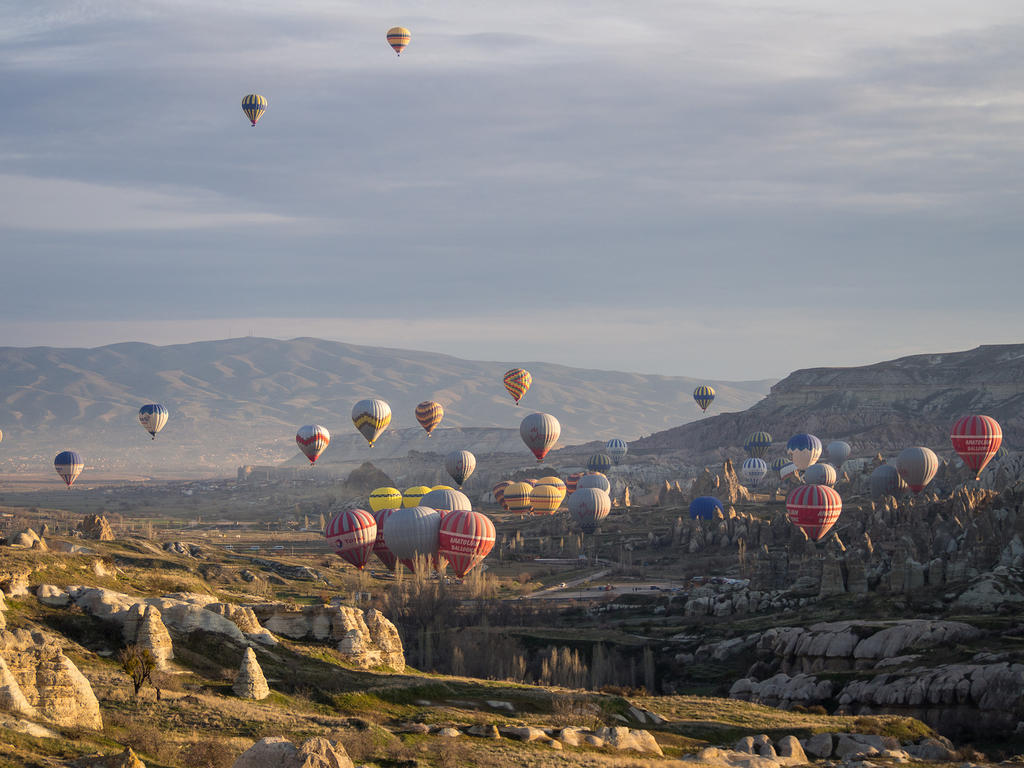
(240, 400)
(881, 407)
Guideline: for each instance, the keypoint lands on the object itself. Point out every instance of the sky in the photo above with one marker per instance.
(722, 188)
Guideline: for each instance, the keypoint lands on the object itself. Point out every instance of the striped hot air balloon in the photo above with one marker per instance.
(412, 496)
(312, 439)
(599, 462)
(465, 539)
(917, 466)
(398, 38)
(552, 480)
(777, 464)
(153, 417)
(517, 498)
(460, 465)
(594, 480)
(753, 471)
(371, 417)
(757, 444)
(886, 481)
(976, 439)
(820, 474)
(704, 395)
(499, 492)
(353, 533)
(838, 451)
(803, 450)
(411, 533)
(540, 432)
(617, 449)
(254, 106)
(385, 498)
(814, 508)
(517, 382)
(446, 500)
(380, 548)
(572, 482)
(544, 499)
(69, 465)
(589, 506)
(429, 414)
(790, 472)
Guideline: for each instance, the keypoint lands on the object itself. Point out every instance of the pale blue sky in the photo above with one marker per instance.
(725, 189)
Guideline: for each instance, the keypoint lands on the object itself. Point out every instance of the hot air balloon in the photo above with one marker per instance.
(572, 482)
(814, 508)
(517, 498)
(594, 480)
(599, 462)
(69, 465)
(589, 506)
(352, 533)
(820, 474)
(838, 451)
(312, 439)
(499, 492)
(532, 481)
(757, 444)
(517, 381)
(411, 497)
(540, 432)
(380, 548)
(371, 417)
(460, 465)
(704, 508)
(441, 488)
(544, 499)
(429, 414)
(917, 466)
(976, 439)
(617, 449)
(413, 532)
(153, 417)
(254, 106)
(803, 450)
(448, 500)
(385, 498)
(777, 464)
(753, 471)
(465, 539)
(553, 481)
(886, 481)
(789, 472)
(704, 395)
(398, 38)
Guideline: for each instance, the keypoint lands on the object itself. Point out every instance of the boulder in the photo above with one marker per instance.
(931, 750)
(55, 597)
(523, 733)
(250, 682)
(96, 527)
(484, 731)
(278, 752)
(819, 745)
(126, 759)
(790, 752)
(25, 538)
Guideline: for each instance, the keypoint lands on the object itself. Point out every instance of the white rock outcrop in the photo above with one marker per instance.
(250, 682)
(278, 752)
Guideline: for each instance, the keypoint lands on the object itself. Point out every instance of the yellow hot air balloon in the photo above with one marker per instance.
(552, 480)
(442, 488)
(398, 38)
(412, 496)
(545, 499)
(517, 498)
(385, 498)
(517, 381)
(254, 106)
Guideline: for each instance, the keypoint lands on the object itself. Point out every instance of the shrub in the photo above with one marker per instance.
(207, 753)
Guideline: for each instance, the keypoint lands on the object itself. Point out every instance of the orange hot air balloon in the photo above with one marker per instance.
(517, 382)
(429, 414)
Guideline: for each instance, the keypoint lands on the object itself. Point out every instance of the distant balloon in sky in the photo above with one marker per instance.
(917, 465)
(517, 382)
(757, 444)
(814, 508)
(803, 450)
(254, 106)
(617, 449)
(704, 395)
(371, 417)
(398, 38)
(460, 465)
(820, 474)
(753, 471)
(69, 465)
(352, 533)
(153, 417)
(838, 451)
(312, 439)
(976, 439)
(540, 432)
(429, 414)
(385, 498)
(886, 481)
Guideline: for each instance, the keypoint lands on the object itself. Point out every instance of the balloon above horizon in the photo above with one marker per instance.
(312, 439)
(69, 466)
(517, 382)
(153, 417)
(704, 396)
(540, 432)
(398, 39)
(976, 439)
(429, 414)
(371, 417)
(254, 105)
(803, 450)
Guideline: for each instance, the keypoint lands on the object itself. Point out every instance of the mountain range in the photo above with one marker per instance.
(238, 401)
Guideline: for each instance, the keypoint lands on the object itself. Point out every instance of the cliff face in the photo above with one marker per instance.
(881, 407)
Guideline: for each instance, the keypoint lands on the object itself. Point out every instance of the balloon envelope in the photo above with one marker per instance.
(460, 465)
(886, 481)
(803, 450)
(757, 444)
(617, 449)
(976, 439)
(254, 105)
(820, 474)
(517, 382)
(777, 464)
(917, 466)
(499, 492)
(398, 38)
(371, 417)
(429, 414)
(411, 497)
(540, 432)
(572, 482)
(385, 498)
(589, 506)
(352, 533)
(753, 471)
(554, 481)
(705, 507)
(838, 451)
(595, 480)
(312, 439)
(69, 465)
(517, 497)
(412, 532)
(446, 499)
(380, 548)
(465, 539)
(599, 462)
(789, 472)
(704, 395)
(544, 499)
(814, 508)
(153, 417)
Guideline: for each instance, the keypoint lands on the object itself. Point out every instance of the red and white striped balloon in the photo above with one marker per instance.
(380, 549)
(814, 508)
(465, 539)
(312, 439)
(976, 439)
(353, 534)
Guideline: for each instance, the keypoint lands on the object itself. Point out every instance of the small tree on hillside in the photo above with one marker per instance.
(139, 664)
